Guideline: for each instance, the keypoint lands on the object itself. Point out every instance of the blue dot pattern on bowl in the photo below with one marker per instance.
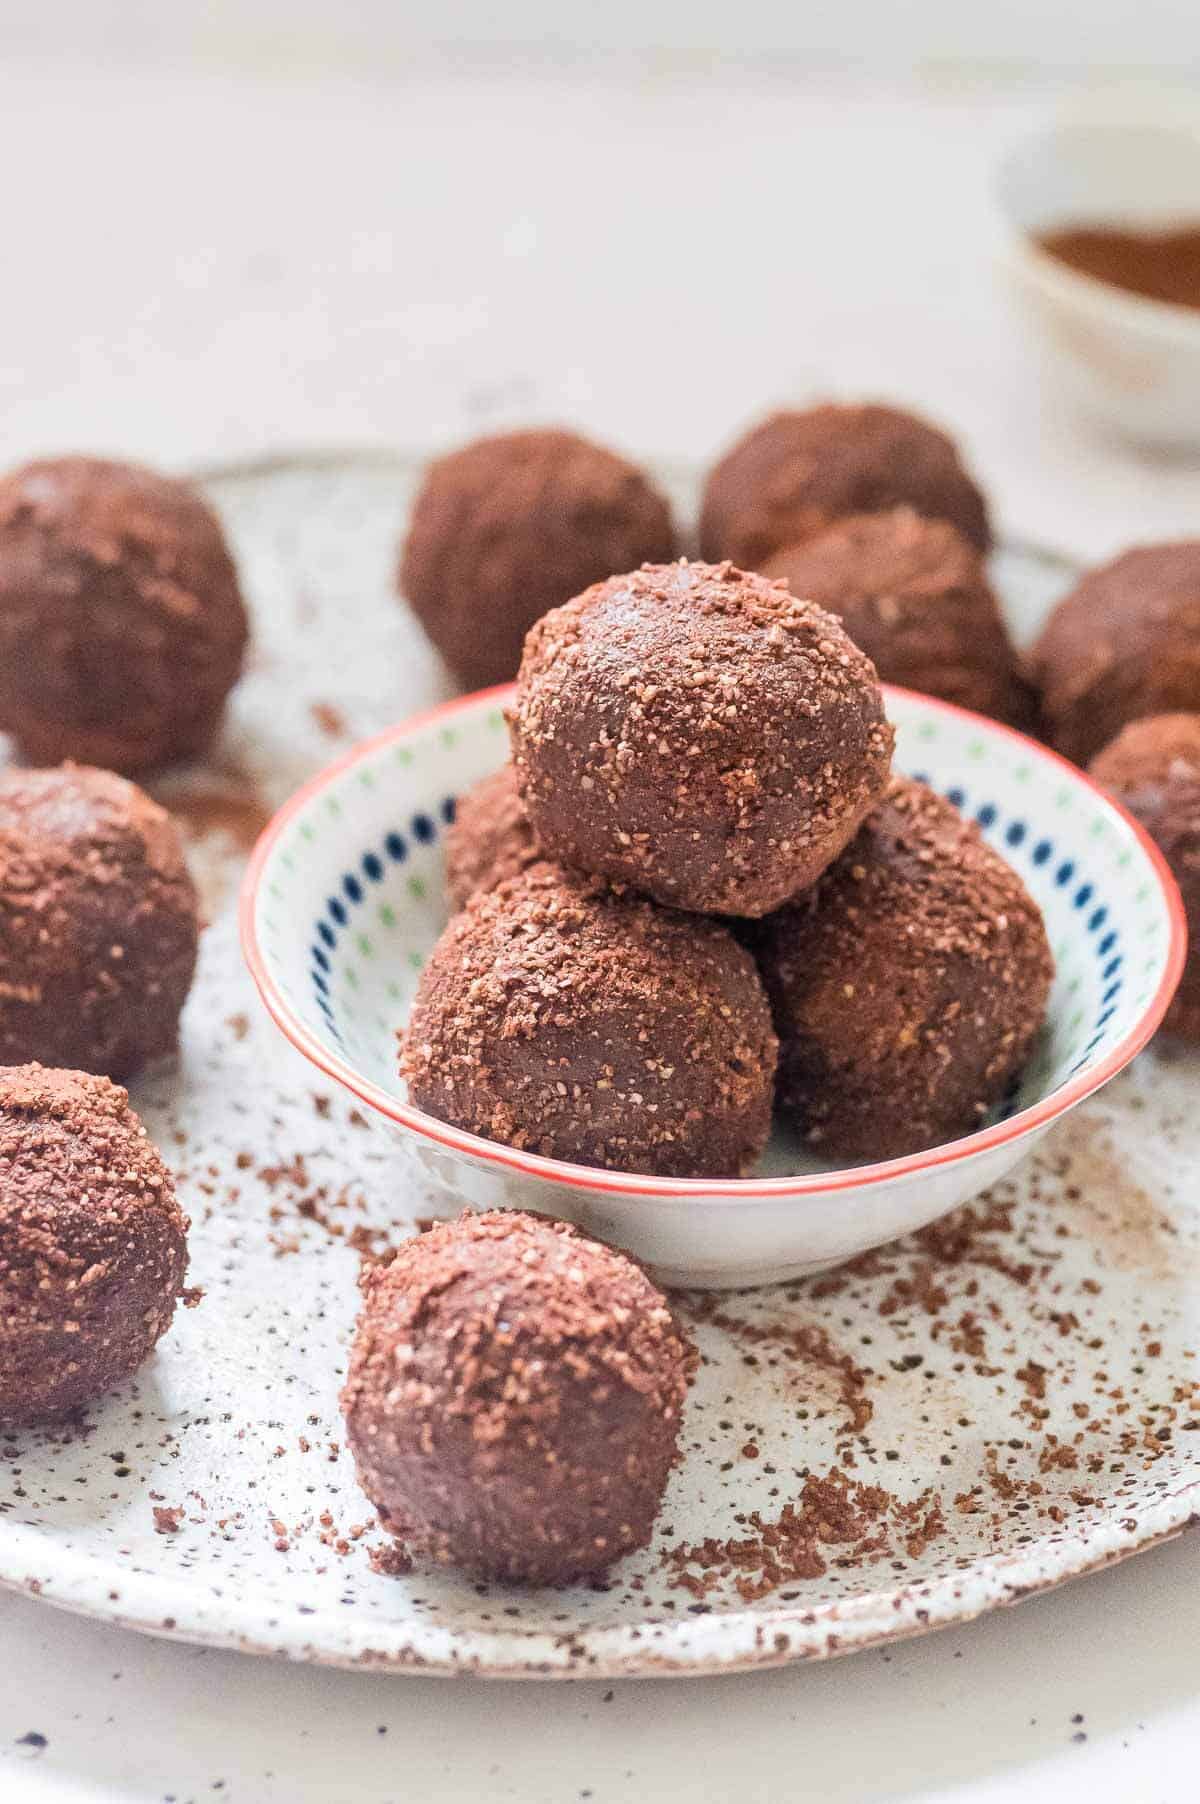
(988, 814)
(353, 897)
(395, 850)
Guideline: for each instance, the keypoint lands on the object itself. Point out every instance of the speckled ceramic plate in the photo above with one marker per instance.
(345, 897)
(1002, 1402)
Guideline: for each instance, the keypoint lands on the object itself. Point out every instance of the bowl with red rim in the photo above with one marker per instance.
(344, 899)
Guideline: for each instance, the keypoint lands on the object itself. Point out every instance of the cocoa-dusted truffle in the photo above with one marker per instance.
(93, 1245)
(508, 527)
(122, 627)
(1124, 643)
(907, 986)
(513, 1398)
(584, 1024)
(1153, 768)
(98, 922)
(700, 733)
(913, 594)
(491, 837)
(793, 474)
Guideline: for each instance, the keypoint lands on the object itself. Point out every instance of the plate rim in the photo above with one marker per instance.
(783, 1636)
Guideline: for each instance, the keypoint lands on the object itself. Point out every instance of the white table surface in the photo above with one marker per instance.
(199, 266)
(1091, 1693)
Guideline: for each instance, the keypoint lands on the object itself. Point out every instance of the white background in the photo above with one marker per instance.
(1016, 37)
(380, 228)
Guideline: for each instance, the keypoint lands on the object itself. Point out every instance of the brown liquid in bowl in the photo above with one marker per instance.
(1162, 265)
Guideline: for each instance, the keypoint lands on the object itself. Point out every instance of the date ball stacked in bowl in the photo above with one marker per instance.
(698, 892)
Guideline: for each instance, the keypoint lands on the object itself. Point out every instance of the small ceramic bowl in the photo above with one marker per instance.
(1131, 363)
(344, 899)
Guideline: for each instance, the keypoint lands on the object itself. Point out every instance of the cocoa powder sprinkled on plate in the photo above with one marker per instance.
(805, 1342)
(329, 719)
(831, 1511)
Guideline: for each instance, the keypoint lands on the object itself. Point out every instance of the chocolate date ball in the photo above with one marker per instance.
(1123, 644)
(122, 628)
(571, 1020)
(490, 838)
(700, 733)
(513, 1398)
(93, 1245)
(796, 472)
(509, 527)
(913, 594)
(98, 922)
(908, 986)
(1153, 768)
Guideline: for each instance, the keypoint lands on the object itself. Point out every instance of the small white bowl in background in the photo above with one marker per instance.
(1131, 363)
(344, 899)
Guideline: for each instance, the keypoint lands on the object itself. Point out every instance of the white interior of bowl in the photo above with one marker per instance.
(350, 897)
(1143, 175)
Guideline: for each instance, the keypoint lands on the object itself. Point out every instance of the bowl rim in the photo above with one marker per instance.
(715, 1190)
(1120, 308)
(1123, 309)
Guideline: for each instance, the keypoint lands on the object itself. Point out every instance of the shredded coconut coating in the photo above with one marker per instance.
(908, 986)
(795, 472)
(1153, 768)
(490, 838)
(93, 1245)
(566, 1019)
(514, 1397)
(99, 922)
(913, 594)
(700, 733)
(1123, 644)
